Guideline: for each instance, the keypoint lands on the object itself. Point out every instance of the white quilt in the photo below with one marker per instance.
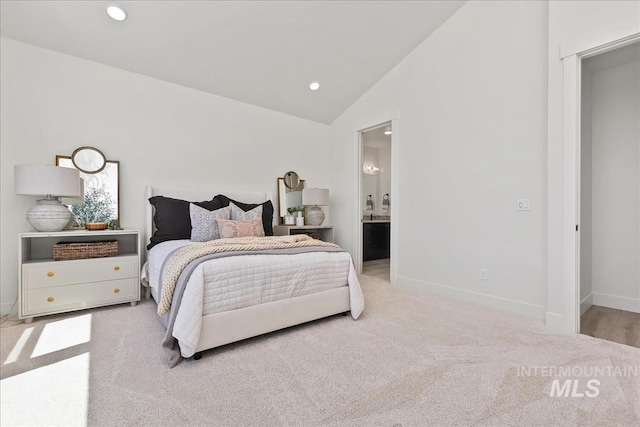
(233, 282)
(155, 260)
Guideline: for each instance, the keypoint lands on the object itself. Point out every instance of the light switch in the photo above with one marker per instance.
(522, 205)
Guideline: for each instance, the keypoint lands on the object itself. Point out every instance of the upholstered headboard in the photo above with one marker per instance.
(194, 194)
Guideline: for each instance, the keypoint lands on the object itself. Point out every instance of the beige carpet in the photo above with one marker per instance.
(413, 359)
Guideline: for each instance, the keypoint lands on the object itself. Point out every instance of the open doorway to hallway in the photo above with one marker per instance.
(609, 182)
(376, 200)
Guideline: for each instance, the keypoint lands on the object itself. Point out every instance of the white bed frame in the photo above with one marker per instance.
(235, 325)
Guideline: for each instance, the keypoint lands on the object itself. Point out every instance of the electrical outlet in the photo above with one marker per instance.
(483, 274)
(523, 205)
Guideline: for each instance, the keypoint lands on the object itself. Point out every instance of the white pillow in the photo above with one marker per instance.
(204, 226)
(238, 214)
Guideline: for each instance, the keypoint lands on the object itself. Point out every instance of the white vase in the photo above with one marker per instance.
(48, 215)
(315, 216)
(300, 221)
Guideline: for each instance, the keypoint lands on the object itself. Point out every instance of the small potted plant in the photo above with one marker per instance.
(96, 211)
(290, 219)
(300, 219)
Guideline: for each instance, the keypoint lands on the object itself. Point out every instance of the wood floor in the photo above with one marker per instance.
(612, 325)
(378, 268)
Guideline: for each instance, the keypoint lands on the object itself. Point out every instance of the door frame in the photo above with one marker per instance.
(393, 207)
(571, 146)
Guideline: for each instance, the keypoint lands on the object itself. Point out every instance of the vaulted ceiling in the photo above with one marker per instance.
(263, 53)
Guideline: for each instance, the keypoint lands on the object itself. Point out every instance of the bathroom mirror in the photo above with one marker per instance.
(101, 187)
(289, 197)
(370, 193)
(88, 160)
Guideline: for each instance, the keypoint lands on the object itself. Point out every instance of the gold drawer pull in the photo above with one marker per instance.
(116, 268)
(50, 299)
(116, 290)
(50, 274)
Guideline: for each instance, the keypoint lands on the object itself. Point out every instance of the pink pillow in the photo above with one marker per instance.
(243, 228)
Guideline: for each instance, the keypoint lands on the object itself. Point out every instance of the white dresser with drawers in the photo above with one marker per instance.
(48, 287)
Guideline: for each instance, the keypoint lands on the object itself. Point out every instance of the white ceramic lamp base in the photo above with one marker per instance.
(48, 215)
(315, 216)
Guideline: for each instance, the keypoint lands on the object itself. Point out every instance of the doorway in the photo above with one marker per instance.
(377, 147)
(608, 242)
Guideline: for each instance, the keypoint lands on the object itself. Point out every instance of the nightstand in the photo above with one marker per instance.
(48, 287)
(325, 232)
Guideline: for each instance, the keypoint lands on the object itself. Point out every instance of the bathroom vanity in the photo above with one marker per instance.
(376, 238)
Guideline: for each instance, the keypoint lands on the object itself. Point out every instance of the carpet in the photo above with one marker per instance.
(412, 359)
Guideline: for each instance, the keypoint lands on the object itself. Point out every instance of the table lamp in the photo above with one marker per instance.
(315, 197)
(52, 182)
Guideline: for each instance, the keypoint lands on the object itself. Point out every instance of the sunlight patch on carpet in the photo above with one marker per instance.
(63, 334)
(17, 349)
(55, 394)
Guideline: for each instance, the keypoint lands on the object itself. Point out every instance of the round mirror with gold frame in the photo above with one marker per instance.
(88, 160)
(290, 188)
(101, 185)
(291, 180)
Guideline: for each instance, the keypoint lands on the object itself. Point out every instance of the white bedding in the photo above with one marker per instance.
(155, 259)
(233, 282)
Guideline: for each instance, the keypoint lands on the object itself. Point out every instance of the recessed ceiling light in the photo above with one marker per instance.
(387, 131)
(314, 85)
(116, 12)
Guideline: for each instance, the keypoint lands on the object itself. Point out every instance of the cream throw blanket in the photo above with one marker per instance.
(183, 256)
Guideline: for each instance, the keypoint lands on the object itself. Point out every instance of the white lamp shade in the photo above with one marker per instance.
(315, 197)
(41, 180)
(75, 200)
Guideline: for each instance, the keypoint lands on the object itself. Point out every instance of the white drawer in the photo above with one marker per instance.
(59, 298)
(56, 273)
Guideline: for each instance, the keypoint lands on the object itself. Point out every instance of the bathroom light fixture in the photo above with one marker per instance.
(116, 12)
(314, 85)
(370, 169)
(387, 130)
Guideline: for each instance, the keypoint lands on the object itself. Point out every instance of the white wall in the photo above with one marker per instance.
(574, 26)
(616, 186)
(160, 132)
(384, 177)
(586, 175)
(471, 102)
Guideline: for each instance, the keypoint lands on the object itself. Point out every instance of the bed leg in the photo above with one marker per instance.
(197, 356)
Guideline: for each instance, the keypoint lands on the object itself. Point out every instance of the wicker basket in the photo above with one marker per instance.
(63, 251)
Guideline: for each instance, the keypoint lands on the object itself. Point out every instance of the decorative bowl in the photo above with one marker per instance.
(96, 225)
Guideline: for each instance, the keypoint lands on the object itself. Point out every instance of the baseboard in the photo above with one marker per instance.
(586, 303)
(518, 307)
(553, 321)
(617, 302)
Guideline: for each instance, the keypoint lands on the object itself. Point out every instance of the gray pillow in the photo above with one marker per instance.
(238, 214)
(204, 226)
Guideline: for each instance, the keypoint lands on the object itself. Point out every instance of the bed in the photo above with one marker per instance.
(214, 293)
